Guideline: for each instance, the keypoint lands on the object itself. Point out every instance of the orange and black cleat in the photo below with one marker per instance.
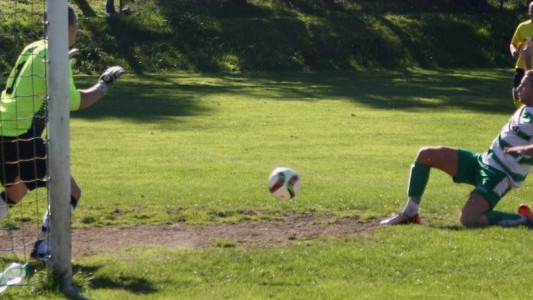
(401, 218)
(525, 210)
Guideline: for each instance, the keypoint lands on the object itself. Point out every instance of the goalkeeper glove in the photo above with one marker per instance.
(108, 77)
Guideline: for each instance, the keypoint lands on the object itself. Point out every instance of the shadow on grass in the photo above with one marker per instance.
(85, 8)
(133, 284)
(450, 227)
(481, 91)
(151, 98)
(156, 99)
(457, 227)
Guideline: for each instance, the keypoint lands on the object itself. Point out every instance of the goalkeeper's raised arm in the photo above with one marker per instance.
(91, 95)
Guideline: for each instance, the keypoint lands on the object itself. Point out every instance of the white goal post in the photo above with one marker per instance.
(59, 146)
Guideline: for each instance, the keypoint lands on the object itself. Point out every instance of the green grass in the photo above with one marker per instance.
(197, 148)
(409, 262)
(406, 263)
(187, 147)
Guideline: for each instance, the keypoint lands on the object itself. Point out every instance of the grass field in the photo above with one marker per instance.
(197, 148)
(351, 136)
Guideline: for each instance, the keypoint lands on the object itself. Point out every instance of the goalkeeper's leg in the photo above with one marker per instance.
(41, 248)
(11, 196)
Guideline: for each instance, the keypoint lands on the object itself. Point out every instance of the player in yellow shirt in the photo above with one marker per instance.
(23, 118)
(523, 32)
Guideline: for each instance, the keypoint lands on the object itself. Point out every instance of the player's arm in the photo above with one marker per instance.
(520, 150)
(515, 50)
(515, 45)
(525, 52)
(90, 96)
(93, 94)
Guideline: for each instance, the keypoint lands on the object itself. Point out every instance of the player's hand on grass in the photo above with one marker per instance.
(109, 76)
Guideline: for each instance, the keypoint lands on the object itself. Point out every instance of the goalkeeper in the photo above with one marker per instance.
(504, 166)
(23, 117)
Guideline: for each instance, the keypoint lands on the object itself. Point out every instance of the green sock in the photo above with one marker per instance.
(418, 180)
(505, 219)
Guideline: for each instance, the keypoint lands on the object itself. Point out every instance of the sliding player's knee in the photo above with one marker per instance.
(466, 220)
(425, 155)
(471, 220)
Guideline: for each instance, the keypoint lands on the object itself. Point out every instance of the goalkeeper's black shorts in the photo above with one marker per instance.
(23, 156)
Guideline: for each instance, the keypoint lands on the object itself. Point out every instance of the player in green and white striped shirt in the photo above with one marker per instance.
(504, 166)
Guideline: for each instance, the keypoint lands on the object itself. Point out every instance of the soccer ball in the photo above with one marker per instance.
(283, 183)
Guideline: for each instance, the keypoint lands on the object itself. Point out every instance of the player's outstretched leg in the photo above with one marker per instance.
(418, 179)
(442, 158)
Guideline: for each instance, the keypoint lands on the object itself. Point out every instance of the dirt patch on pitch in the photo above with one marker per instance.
(244, 234)
(290, 227)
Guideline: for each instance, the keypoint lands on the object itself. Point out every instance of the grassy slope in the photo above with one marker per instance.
(231, 35)
(218, 36)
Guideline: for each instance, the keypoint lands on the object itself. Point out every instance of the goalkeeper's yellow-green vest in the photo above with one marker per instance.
(23, 101)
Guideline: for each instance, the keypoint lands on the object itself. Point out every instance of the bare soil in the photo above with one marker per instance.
(184, 236)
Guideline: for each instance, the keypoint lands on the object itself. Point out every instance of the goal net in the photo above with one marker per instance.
(21, 23)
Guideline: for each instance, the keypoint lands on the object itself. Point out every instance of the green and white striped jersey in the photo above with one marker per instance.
(518, 131)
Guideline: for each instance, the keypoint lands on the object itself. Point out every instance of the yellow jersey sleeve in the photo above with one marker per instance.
(522, 32)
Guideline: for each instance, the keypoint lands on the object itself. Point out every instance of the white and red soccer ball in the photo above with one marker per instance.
(283, 183)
